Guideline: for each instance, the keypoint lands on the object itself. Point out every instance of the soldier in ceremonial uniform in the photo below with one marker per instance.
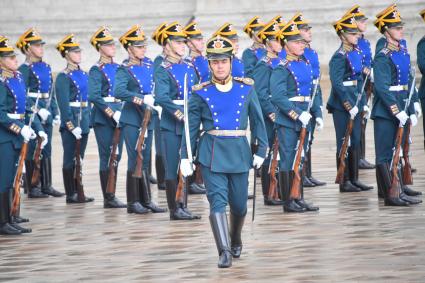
(256, 51)
(72, 93)
(134, 86)
(157, 37)
(169, 91)
(420, 50)
(345, 71)
(106, 109)
(392, 88)
(223, 151)
(38, 79)
(261, 75)
(14, 130)
(291, 84)
(313, 58)
(364, 45)
(228, 31)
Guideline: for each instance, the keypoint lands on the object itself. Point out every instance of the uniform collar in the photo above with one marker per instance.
(194, 54)
(271, 54)
(30, 60)
(347, 47)
(223, 86)
(72, 67)
(291, 57)
(134, 61)
(172, 59)
(105, 59)
(393, 47)
(7, 74)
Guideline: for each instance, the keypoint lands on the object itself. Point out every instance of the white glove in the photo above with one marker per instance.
(319, 124)
(149, 100)
(44, 114)
(45, 138)
(117, 116)
(159, 110)
(304, 118)
(366, 109)
(186, 168)
(258, 161)
(353, 112)
(77, 132)
(56, 120)
(418, 109)
(27, 133)
(402, 116)
(413, 120)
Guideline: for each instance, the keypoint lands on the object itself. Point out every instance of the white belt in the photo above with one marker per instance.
(178, 102)
(398, 87)
(42, 95)
(349, 83)
(111, 99)
(15, 116)
(315, 81)
(300, 99)
(78, 104)
(228, 133)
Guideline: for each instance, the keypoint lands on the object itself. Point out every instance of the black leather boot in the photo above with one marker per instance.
(403, 195)
(5, 227)
(391, 195)
(265, 185)
(33, 191)
(305, 180)
(309, 170)
(188, 212)
(160, 172)
(302, 203)
(176, 209)
(347, 186)
(363, 163)
(353, 163)
(17, 218)
(220, 230)
(46, 178)
(380, 184)
(236, 224)
(289, 204)
(70, 187)
(146, 195)
(405, 189)
(12, 219)
(195, 188)
(133, 201)
(109, 199)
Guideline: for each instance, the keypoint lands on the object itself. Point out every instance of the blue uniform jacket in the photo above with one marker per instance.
(421, 64)
(250, 58)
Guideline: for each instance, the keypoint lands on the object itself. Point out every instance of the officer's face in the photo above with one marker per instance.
(351, 38)
(36, 50)
(235, 43)
(306, 34)
(9, 63)
(220, 68)
(108, 50)
(295, 47)
(137, 51)
(362, 25)
(74, 56)
(275, 46)
(197, 44)
(178, 47)
(396, 33)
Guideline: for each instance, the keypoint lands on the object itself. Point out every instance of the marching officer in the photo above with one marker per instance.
(392, 88)
(345, 71)
(256, 51)
(71, 88)
(421, 64)
(261, 75)
(313, 58)
(14, 106)
(364, 45)
(159, 165)
(134, 86)
(106, 110)
(228, 31)
(169, 90)
(223, 151)
(291, 85)
(37, 76)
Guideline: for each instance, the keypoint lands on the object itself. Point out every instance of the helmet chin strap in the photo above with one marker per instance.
(390, 36)
(193, 48)
(172, 51)
(31, 57)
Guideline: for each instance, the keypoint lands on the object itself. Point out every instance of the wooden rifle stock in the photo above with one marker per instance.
(17, 181)
(343, 153)
(272, 193)
(140, 143)
(180, 189)
(37, 160)
(78, 172)
(113, 162)
(296, 182)
(394, 189)
(407, 169)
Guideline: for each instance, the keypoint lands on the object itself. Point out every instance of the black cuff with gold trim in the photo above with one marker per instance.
(109, 112)
(179, 115)
(137, 100)
(70, 126)
(394, 109)
(347, 105)
(15, 128)
(294, 116)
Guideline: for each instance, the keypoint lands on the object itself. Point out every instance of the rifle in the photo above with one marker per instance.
(78, 171)
(138, 172)
(407, 169)
(37, 162)
(297, 164)
(184, 183)
(18, 176)
(113, 161)
(273, 194)
(346, 141)
(394, 189)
